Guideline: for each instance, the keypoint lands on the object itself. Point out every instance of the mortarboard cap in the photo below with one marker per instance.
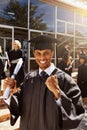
(42, 42)
(83, 56)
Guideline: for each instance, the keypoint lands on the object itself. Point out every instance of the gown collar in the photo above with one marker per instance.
(48, 70)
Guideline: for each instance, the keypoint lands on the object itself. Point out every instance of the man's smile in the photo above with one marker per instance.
(43, 62)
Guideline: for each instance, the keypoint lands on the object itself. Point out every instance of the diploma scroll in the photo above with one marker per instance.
(5, 68)
(70, 66)
(17, 68)
(7, 58)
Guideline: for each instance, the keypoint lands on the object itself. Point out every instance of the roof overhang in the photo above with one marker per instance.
(79, 6)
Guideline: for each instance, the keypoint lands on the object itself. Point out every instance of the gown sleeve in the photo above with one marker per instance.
(14, 106)
(71, 103)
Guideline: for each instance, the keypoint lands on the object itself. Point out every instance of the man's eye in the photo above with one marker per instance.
(47, 53)
(37, 54)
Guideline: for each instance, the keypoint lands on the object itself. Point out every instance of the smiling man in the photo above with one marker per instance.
(49, 99)
(43, 58)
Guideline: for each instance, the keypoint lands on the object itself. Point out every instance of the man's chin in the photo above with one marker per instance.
(43, 67)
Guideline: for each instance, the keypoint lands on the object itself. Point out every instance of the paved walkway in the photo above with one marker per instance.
(4, 118)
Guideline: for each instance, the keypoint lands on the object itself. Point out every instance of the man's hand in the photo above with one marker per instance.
(11, 83)
(52, 84)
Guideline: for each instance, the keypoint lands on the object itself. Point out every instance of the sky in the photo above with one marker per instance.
(3, 3)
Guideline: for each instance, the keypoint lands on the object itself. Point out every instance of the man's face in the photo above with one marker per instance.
(43, 58)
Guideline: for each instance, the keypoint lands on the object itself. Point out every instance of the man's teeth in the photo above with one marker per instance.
(42, 62)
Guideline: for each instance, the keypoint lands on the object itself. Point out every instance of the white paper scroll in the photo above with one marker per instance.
(5, 68)
(7, 57)
(17, 68)
(70, 66)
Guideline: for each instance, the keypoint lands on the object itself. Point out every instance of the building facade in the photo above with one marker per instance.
(24, 20)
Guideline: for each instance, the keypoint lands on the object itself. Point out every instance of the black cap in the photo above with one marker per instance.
(42, 42)
(83, 56)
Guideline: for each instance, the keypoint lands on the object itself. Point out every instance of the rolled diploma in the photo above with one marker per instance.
(7, 58)
(17, 68)
(71, 64)
(5, 68)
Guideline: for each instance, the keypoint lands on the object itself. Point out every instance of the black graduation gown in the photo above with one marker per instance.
(62, 65)
(14, 55)
(82, 79)
(2, 73)
(38, 108)
(1, 68)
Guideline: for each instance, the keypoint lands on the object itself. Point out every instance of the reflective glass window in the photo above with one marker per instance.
(14, 12)
(42, 16)
(61, 27)
(65, 14)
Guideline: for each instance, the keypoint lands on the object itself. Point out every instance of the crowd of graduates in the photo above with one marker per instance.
(66, 64)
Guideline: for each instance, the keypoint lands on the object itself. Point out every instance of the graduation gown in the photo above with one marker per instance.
(15, 55)
(2, 73)
(82, 79)
(38, 108)
(62, 65)
(1, 68)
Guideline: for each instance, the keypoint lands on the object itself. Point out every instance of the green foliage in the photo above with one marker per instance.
(36, 21)
(21, 16)
(20, 13)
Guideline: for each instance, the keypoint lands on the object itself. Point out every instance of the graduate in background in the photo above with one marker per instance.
(66, 63)
(2, 73)
(49, 98)
(82, 75)
(14, 56)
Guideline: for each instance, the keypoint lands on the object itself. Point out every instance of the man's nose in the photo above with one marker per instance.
(42, 56)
